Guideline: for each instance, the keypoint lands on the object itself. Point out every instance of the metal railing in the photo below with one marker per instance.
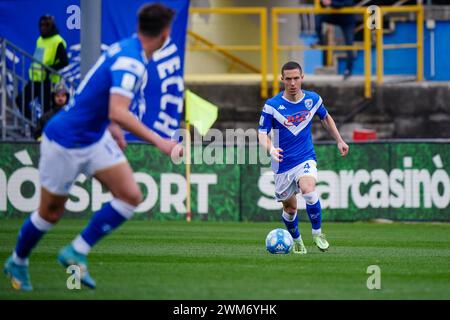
(366, 47)
(276, 47)
(226, 49)
(205, 44)
(22, 101)
(380, 47)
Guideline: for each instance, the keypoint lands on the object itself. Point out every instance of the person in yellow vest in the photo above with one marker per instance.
(50, 51)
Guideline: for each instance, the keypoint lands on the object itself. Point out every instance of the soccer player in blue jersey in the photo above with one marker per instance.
(289, 115)
(86, 137)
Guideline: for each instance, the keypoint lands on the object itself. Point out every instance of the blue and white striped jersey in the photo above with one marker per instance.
(291, 122)
(122, 70)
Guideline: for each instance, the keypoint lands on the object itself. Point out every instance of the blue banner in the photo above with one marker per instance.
(163, 106)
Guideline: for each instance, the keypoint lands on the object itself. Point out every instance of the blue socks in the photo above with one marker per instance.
(291, 223)
(105, 220)
(315, 214)
(29, 235)
(313, 209)
(108, 218)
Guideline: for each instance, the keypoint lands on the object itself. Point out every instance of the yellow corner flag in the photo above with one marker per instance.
(200, 113)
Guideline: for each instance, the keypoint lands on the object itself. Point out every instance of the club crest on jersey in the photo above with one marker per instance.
(296, 118)
(308, 104)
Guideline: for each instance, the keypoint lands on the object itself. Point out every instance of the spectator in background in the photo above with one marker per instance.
(50, 51)
(347, 24)
(60, 97)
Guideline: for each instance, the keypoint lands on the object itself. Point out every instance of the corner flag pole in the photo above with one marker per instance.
(188, 169)
(202, 117)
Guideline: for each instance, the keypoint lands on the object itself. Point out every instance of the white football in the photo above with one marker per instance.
(279, 241)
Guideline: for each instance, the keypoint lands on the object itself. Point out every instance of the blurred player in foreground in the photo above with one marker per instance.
(290, 114)
(87, 138)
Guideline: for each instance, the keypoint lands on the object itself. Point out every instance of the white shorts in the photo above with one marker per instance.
(286, 183)
(59, 167)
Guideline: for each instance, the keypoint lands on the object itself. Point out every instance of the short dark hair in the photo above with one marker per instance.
(291, 65)
(52, 24)
(154, 18)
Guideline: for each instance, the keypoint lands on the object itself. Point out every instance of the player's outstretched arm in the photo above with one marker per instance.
(119, 113)
(265, 142)
(330, 125)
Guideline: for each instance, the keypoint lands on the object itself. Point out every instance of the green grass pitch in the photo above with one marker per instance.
(213, 260)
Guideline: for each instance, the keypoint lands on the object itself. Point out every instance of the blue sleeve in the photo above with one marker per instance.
(265, 121)
(322, 112)
(126, 76)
